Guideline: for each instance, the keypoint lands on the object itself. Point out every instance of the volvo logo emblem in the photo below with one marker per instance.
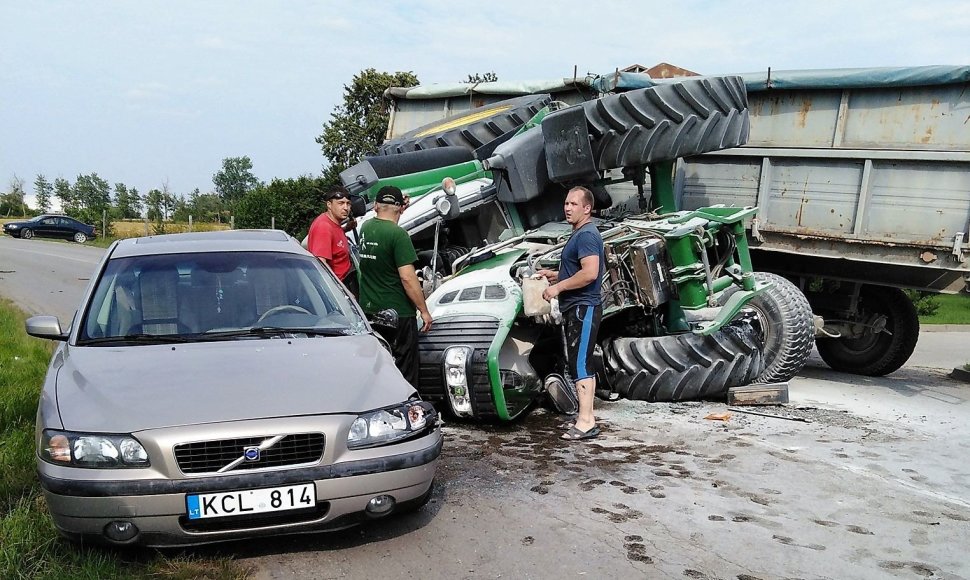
(251, 453)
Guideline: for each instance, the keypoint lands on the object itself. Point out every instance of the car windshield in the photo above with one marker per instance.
(215, 296)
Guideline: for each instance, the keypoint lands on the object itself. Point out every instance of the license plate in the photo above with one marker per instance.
(251, 501)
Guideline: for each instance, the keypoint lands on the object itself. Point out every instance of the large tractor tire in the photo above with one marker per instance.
(469, 129)
(880, 353)
(667, 121)
(687, 366)
(787, 327)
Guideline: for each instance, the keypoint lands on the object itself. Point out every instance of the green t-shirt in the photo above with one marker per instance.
(384, 247)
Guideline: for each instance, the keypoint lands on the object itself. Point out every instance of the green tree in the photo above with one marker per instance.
(293, 203)
(14, 200)
(65, 194)
(358, 126)
(180, 210)
(168, 201)
(153, 206)
(121, 205)
(135, 202)
(44, 190)
(205, 207)
(235, 179)
(489, 77)
(92, 192)
(92, 199)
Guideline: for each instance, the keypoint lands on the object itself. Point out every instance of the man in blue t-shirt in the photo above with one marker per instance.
(577, 284)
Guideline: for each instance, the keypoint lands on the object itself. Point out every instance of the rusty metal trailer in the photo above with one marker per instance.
(862, 179)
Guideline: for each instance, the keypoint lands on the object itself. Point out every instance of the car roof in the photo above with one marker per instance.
(216, 241)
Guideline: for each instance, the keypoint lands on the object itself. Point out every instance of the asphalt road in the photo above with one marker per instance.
(873, 483)
(46, 276)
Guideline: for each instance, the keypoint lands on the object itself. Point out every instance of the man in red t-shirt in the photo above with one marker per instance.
(328, 242)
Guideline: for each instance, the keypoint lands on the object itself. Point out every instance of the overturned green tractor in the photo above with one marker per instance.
(684, 315)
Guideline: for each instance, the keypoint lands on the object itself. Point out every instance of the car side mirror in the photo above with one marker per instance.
(48, 327)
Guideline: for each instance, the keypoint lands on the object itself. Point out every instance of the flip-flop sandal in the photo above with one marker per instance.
(575, 434)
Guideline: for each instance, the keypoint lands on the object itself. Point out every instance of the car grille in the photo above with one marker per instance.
(211, 456)
(477, 332)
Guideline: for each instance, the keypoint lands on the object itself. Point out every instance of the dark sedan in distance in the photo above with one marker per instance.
(50, 226)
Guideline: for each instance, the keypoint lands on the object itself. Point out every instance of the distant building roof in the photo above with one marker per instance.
(662, 70)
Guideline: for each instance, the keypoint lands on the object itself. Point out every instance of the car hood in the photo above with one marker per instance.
(133, 388)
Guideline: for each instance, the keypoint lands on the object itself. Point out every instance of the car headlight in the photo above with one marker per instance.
(92, 450)
(13, 226)
(391, 425)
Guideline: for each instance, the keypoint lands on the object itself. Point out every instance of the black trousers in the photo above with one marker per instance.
(352, 284)
(404, 346)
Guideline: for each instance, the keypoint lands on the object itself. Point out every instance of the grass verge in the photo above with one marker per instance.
(953, 309)
(29, 545)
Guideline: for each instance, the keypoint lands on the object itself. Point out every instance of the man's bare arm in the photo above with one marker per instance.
(412, 287)
(588, 272)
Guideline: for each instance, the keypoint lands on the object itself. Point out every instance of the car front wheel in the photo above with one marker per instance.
(26, 234)
(80, 238)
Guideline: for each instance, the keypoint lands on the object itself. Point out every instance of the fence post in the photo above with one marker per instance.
(104, 223)
(146, 224)
(232, 222)
(190, 223)
(272, 223)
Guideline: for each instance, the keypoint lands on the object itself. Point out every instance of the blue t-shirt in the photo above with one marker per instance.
(586, 241)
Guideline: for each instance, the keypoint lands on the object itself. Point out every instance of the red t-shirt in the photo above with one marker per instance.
(328, 241)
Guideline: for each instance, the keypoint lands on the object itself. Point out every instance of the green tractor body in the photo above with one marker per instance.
(676, 323)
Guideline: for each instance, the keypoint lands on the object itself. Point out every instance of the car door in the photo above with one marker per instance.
(66, 227)
(47, 227)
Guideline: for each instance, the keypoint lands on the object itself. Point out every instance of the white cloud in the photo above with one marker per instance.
(212, 41)
(146, 91)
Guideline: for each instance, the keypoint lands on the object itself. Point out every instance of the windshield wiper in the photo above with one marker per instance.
(270, 331)
(135, 339)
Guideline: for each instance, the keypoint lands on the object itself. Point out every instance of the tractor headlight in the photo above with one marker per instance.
(457, 370)
(391, 425)
(92, 450)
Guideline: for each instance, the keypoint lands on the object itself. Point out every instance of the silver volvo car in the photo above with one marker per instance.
(222, 385)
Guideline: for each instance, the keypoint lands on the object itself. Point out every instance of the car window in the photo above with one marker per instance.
(203, 296)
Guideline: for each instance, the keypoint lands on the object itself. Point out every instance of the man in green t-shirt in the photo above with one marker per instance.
(388, 279)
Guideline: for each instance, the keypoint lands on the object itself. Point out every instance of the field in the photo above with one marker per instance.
(136, 228)
(29, 545)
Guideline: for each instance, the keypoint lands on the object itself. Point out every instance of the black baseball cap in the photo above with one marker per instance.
(390, 194)
(338, 193)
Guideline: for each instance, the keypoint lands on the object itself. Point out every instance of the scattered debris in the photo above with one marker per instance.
(718, 416)
(773, 416)
(767, 394)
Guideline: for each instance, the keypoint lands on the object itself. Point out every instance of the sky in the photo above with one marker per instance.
(152, 93)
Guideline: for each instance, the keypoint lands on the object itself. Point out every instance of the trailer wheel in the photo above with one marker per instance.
(786, 324)
(687, 366)
(876, 354)
(668, 121)
(469, 129)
